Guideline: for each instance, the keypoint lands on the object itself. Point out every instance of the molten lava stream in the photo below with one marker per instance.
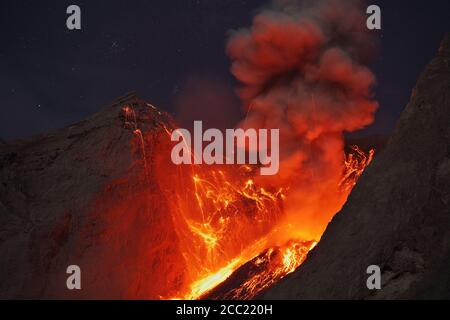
(226, 225)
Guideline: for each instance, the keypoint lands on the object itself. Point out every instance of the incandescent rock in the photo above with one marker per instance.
(398, 215)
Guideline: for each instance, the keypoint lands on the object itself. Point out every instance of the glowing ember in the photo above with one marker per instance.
(239, 233)
(355, 163)
(265, 270)
(216, 214)
(314, 89)
(202, 286)
(225, 219)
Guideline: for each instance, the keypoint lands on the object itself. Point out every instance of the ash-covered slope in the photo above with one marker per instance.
(398, 215)
(87, 195)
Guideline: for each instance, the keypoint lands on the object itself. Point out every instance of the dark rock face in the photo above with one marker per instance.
(398, 215)
(87, 195)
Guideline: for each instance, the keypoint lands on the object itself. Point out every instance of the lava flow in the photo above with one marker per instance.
(302, 69)
(227, 223)
(262, 271)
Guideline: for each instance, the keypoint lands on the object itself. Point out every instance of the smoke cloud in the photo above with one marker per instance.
(302, 69)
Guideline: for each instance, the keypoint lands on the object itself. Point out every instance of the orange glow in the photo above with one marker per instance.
(355, 163)
(198, 288)
(225, 219)
(270, 267)
(222, 231)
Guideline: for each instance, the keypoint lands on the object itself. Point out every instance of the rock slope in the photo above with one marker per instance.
(87, 195)
(398, 215)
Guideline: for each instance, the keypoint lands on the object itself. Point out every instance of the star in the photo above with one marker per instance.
(116, 48)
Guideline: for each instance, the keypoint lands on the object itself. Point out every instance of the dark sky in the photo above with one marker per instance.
(165, 49)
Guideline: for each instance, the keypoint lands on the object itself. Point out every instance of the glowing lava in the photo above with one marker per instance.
(263, 271)
(355, 163)
(227, 222)
(302, 69)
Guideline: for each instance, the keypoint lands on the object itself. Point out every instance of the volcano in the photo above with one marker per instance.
(103, 194)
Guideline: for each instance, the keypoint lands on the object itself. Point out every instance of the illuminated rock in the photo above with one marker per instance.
(87, 195)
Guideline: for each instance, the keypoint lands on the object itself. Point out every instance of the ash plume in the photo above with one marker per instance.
(303, 69)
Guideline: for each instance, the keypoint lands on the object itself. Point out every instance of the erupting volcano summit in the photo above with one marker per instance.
(103, 194)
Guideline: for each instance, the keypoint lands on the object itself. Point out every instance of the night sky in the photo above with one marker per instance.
(169, 51)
